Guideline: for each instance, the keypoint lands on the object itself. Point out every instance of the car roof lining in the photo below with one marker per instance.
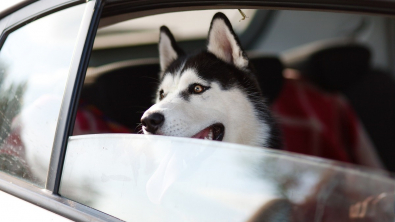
(116, 11)
(255, 30)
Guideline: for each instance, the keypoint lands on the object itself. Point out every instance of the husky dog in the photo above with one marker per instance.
(210, 95)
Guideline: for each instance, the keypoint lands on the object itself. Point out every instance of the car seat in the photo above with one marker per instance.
(123, 90)
(346, 68)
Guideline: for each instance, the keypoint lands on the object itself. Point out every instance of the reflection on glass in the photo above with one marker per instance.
(34, 64)
(157, 178)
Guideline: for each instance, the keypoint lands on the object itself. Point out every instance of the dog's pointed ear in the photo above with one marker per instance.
(168, 48)
(223, 42)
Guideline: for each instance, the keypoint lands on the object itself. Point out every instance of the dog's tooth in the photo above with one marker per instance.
(210, 135)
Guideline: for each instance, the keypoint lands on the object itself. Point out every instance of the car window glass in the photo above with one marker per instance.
(34, 65)
(157, 178)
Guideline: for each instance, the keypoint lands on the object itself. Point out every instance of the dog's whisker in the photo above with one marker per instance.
(152, 78)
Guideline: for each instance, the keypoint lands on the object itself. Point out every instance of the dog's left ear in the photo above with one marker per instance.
(223, 42)
(169, 51)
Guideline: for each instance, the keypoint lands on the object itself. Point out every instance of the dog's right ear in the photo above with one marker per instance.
(223, 42)
(169, 51)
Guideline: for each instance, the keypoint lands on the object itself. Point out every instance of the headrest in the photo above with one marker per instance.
(123, 93)
(335, 68)
(269, 70)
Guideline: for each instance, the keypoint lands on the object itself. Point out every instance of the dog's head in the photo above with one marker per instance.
(210, 95)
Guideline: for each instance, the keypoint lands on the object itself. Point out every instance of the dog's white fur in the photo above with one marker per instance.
(231, 107)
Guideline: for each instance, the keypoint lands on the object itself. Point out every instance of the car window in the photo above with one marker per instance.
(34, 65)
(336, 68)
(157, 178)
(319, 83)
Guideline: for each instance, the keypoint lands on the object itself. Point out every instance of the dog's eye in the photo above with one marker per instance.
(161, 95)
(197, 88)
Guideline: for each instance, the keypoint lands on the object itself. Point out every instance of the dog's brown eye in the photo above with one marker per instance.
(161, 95)
(198, 89)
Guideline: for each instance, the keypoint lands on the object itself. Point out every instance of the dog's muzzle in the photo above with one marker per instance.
(152, 122)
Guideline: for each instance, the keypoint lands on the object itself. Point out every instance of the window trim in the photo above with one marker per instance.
(15, 8)
(379, 7)
(31, 12)
(69, 106)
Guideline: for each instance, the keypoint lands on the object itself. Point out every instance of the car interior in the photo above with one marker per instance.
(341, 60)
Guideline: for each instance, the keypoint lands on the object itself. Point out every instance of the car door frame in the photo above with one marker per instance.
(48, 198)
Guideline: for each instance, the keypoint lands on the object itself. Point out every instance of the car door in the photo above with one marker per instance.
(136, 177)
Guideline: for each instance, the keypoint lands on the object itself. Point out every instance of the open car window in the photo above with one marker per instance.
(319, 72)
(314, 81)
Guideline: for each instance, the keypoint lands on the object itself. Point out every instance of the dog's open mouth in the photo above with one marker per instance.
(213, 132)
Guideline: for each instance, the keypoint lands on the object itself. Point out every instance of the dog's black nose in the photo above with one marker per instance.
(152, 122)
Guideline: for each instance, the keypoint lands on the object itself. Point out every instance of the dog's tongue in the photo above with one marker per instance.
(202, 134)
